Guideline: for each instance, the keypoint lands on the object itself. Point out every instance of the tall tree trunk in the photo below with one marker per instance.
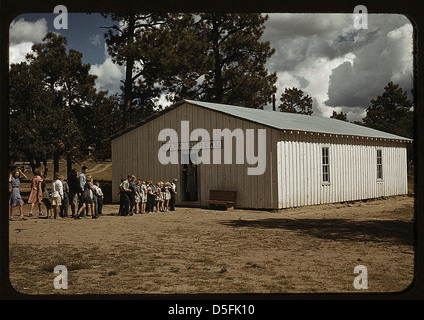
(219, 90)
(128, 84)
(33, 165)
(46, 170)
(55, 162)
(68, 165)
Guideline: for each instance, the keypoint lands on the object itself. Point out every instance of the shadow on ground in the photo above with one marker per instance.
(396, 232)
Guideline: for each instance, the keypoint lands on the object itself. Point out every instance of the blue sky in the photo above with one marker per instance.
(84, 32)
(340, 67)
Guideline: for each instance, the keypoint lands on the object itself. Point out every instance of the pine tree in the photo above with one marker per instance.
(391, 112)
(129, 43)
(294, 100)
(59, 98)
(236, 58)
(28, 101)
(212, 57)
(340, 116)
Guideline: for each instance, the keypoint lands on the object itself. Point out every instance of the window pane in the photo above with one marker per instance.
(325, 165)
(379, 165)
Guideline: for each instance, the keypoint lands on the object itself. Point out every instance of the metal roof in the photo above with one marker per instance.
(297, 122)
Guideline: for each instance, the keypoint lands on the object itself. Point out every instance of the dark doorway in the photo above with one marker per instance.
(190, 182)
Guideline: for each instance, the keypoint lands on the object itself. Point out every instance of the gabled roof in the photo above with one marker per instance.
(297, 122)
(281, 121)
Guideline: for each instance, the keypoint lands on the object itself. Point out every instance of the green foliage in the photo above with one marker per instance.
(391, 112)
(211, 57)
(294, 100)
(131, 42)
(235, 60)
(28, 100)
(340, 116)
(53, 104)
(106, 120)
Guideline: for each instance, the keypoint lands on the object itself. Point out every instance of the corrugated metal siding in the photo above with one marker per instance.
(353, 169)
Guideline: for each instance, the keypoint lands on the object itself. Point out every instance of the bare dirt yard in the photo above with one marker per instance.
(193, 251)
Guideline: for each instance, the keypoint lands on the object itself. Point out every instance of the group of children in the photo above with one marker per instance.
(139, 196)
(77, 192)
(136, 196)
(93, 200)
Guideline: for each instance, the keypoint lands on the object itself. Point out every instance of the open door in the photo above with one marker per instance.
(189, 178)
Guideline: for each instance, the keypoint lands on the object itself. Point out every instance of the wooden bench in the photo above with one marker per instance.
(222, 198)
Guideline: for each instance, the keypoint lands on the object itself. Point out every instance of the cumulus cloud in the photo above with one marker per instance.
(388, 58)
(22, 36)
(108, 75)
(340, 67)
(26, 31)
(18, 52)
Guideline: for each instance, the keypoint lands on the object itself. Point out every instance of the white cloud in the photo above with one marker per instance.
(26, 31)
(18, 52)
(388, 58)
(22, 36)
(340, 67)
(108, 75)
(164, 100)
(401, 40)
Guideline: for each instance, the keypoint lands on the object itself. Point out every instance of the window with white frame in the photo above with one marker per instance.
(379, 165)
(325, 165)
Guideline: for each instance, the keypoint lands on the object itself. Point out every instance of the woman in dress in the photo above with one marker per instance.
(15, 195)
(36, 194)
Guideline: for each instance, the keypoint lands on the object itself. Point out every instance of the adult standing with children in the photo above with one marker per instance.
(173, 191)
(100, 197)
(36, 194)
(74, 190)
(131, 195)
(82, 181)
(124, 201)
(15, 198)
(65, 203)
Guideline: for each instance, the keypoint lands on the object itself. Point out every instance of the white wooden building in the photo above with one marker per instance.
(309, 160)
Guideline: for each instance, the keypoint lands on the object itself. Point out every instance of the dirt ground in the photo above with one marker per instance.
(193, 251)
